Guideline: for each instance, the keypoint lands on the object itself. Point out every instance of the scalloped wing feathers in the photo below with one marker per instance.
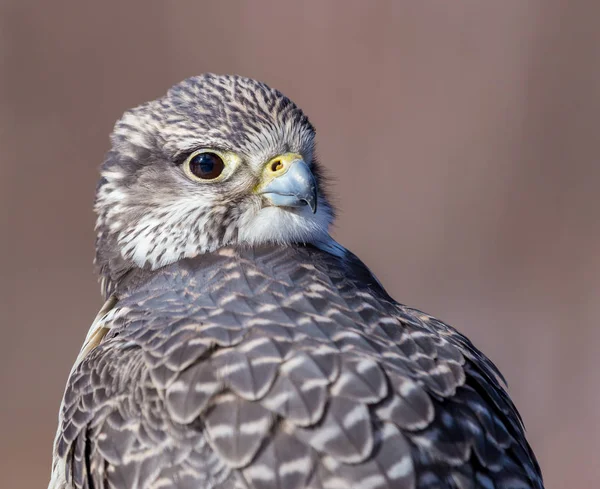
(276, 368)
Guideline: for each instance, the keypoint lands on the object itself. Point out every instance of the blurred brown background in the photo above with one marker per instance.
(463, 137)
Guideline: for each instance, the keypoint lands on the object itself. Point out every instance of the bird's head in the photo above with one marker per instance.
(218, 160)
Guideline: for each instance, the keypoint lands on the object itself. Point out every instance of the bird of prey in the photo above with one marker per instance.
(240, 346)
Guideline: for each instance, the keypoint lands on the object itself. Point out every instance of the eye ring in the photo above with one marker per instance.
(204, 166)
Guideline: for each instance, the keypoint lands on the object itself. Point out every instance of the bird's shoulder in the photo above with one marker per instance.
(287, 367)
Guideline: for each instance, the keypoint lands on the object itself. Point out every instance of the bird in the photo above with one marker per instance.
(240, 346)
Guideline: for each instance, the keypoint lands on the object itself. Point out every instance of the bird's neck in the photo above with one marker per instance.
(118, 276)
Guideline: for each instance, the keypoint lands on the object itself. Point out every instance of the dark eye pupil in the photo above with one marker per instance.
(207, 165)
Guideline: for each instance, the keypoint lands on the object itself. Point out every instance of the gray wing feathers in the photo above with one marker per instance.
(190, 394)
(236, 428)
(250, 370)
(285, 462)
(274, 369)
(300, 392)
(345, 433)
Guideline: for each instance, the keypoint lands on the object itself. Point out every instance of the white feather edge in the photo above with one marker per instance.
(101, 326)
(97, 331)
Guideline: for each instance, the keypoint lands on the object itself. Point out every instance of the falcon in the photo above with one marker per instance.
(240, 346)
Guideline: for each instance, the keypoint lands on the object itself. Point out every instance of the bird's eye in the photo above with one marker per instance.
(205, 166)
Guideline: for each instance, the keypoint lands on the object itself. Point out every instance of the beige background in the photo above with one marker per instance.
(463, 138)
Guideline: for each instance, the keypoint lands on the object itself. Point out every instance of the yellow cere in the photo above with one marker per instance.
(276, 167)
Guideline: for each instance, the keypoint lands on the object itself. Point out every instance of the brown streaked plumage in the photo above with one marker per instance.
(242, 347)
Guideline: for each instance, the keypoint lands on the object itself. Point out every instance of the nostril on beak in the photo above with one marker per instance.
(276, 166)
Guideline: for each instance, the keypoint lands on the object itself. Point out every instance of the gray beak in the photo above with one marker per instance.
(294, 188)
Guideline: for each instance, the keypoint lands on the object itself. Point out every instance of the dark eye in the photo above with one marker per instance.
(206, 166)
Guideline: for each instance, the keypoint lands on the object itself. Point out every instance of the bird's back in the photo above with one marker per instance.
(283, 367)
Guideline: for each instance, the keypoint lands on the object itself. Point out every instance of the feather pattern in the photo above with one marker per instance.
(301, 375)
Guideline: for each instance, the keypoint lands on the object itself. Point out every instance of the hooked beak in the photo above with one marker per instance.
(289, 183)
